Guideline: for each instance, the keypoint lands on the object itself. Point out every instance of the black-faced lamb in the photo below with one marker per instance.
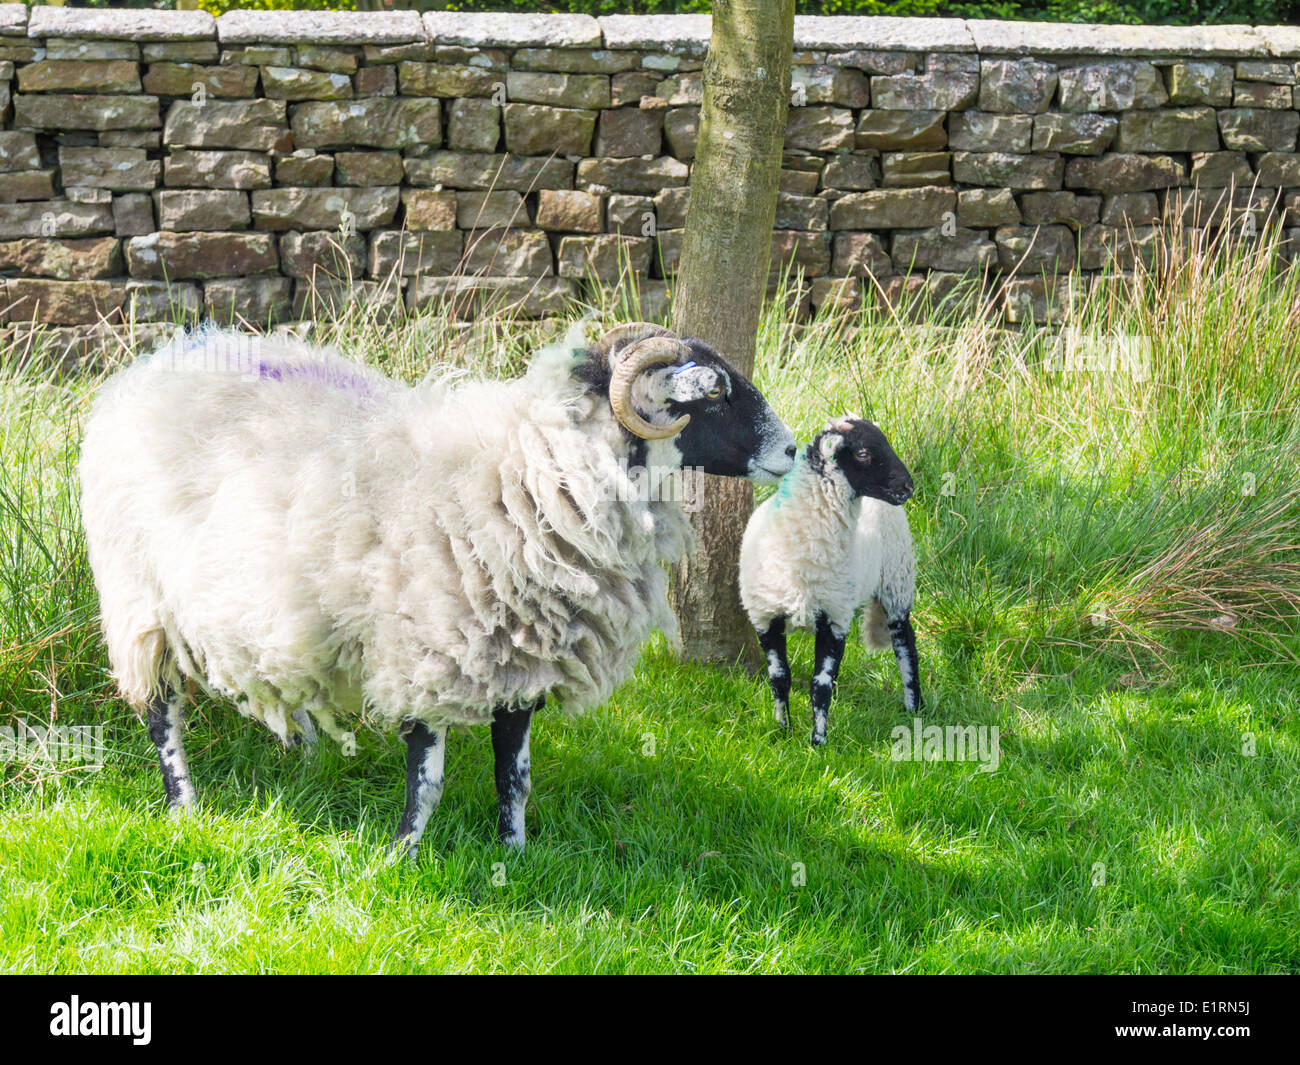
(832, 538)
(325, 545)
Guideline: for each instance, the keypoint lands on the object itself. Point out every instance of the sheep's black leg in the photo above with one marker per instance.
(828, 644)
(166, 720)
(426, 753)
(510, 730)
(778, 669)
(904, 639)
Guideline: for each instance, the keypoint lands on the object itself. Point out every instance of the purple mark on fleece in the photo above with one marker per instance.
(314, 371)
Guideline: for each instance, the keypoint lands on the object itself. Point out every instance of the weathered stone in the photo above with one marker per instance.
(1200, 82)
(1123, 172)
(943, 248)
(873, 62)
(1258, 94)
(179, 51)
(1271, 70)
(809, 213)
(575, 60)
(319, 27)
(982, 208)
(684, 90)
(1042, 300)
(1130, 209)
(629, 88)
(1085, 134)
(1008, 170)
(257, 57)
(161, 256)
(1020, 86)
(254, 125)
(485, 210)
(129, 138)
(1259, 130)
(373, 81)
(63, 302)
(628, 131)
(80, 49)
(559, 90)
(851, 173)
(508, 253)
(26, 185)
(428, 209)
(1278, 170)
(372, 122)
(605, 258)
(1067, 208)
(133, 214)
(120, 169)
(669, 251)
(81, 194)
(1103, 247)
(670, 207)
(255, 301)
(66, 111)
(633, 216)
(915, 168)
(1209, 208)
(1219, 169)
(18, 151)
(333, 60)
(442, 79)
(517, 29)
(393, 253)
(632, 175)
(323, 253)
(1112, 87)
(893, 209)
(836, 294)
(533, 129)
(211, 210)
(841, 86)
(469, 297)
(568, 211)
(681, 128)
(1035, 249)
(287, 208)
(368, 168)
(61, 75)
(185, 79)
(297, 83)
(310, 170)
(798, 251)
(130, 25)
(162, 301)
(473, 170)
(980, 131)
(819, 129)
(932, 91)
(64, 260)
(185, 168)
(860, 255)
(473, 125)
(1172, 129)
(901, 129)
(327, 297)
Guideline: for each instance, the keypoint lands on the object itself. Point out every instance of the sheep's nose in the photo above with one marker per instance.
(789, 452)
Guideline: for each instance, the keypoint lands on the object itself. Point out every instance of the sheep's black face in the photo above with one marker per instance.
(859, 450)
(733, 432)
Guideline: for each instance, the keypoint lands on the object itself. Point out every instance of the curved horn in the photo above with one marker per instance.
(632, 331)
(657, 350)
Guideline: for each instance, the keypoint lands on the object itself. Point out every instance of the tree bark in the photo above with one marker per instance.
(721, 284)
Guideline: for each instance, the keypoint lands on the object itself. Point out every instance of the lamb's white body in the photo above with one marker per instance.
(813, 548)
(341, 543)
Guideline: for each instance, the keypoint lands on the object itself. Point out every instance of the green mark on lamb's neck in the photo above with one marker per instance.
(783, 488)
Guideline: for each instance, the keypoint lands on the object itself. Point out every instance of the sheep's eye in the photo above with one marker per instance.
(715, 392)
(863, 456)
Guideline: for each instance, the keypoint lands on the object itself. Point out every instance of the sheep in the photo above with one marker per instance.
(833, 537)
(323, 544)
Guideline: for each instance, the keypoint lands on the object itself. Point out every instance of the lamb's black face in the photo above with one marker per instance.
(733, 432)
(860, 451)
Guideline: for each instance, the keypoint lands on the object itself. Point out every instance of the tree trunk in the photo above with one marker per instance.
(720, 287)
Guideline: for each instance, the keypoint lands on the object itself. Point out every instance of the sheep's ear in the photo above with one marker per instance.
(830, 444)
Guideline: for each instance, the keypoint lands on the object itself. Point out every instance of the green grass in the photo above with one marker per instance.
(1110, 574)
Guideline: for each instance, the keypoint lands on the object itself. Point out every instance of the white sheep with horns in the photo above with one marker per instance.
(325, 545)
(833, 538)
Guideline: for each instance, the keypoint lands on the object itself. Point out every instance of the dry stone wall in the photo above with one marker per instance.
(268, 166)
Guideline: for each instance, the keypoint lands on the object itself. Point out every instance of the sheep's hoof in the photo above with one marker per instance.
(403, 849)
(818, 741)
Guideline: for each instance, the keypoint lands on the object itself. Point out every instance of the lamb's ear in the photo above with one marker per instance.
(830, 443)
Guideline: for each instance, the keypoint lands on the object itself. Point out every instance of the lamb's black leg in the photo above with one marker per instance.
(904, 639)
(510, 731)
(426, 753)
(828, 645)
(778, 669)
(166, 719)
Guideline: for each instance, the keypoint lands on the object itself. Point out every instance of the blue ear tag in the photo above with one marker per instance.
(683, 366)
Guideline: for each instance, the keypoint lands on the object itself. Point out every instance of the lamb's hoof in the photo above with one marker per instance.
(513, 842)
(818, 741)
(404, 850)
